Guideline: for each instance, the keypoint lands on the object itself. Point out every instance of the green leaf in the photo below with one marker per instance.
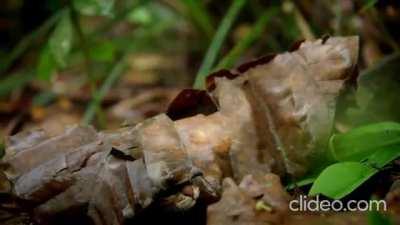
(14, 81)
(383, 156)
(340, 179)
(153, 18)
(46, 65)
(94, 7)
(60, 42)
(359, 143)
(103, 51)
(141, 15)
(216, 43)
(377, 218)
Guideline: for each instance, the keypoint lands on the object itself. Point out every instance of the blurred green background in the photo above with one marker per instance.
(113, 62)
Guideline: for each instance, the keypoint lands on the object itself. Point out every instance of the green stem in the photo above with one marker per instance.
(115, 73)
(83, 44)
(98, 95)
(217, 41)
(230, 59)
(199, 14)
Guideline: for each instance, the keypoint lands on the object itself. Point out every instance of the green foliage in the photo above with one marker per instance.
(14, 81)
(363, 152)
(340, 179)
(61, 40)
(46, 65)
(216, 43)
(301, 182)
(377, 218)
(99, 94)
(254, 34)
(361, 142)
(55, 53)
(103, 51)
(141, 15)
(94, 7)
(152, 17)
(200, 16)
(383, 156)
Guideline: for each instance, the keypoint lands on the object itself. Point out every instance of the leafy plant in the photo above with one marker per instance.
(340, 179)
(377, 218)
(361, 153)
(55, 53)
(361, 142)
(94, 7)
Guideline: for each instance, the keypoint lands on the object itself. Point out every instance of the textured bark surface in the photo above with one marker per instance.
(274, 115)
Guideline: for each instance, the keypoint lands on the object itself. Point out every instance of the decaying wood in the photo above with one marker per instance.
(274, 115)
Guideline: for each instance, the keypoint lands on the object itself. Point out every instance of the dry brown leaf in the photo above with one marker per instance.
(276, 116)
(282, 110)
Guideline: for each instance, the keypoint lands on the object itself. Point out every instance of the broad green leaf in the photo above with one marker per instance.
(46, 65)
(383, 156)
(94, 7)
(340, 179)
(359, 143)
(103, 51)
(60, 42)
